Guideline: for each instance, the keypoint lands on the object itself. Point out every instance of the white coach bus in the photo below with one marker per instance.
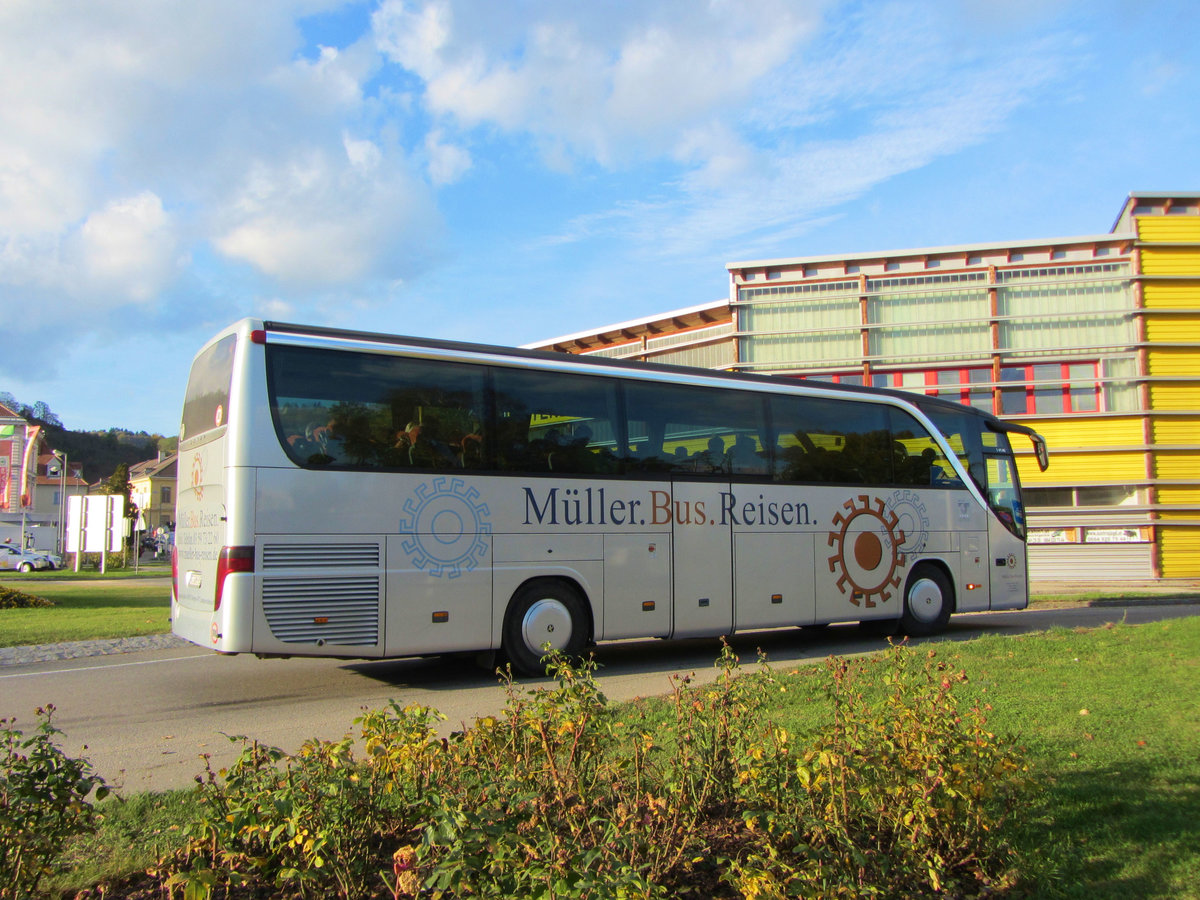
(363, 495)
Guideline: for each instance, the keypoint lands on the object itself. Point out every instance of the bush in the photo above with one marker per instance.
(318, 822)
(901, 794)
(563, 795)
(43, 802)
(11, 598)
(92, 561)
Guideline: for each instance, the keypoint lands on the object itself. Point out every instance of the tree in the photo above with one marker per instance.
(41, 411)
(118, 484)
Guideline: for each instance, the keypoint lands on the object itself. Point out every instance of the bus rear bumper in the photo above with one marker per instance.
(228, 630)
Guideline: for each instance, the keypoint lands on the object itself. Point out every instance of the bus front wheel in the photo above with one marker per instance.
(541, 614)
(928, 601)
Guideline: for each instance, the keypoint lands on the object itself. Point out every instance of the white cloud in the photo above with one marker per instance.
(608, 83)
(887, 90)
(129, 247)
(447, 162)
(322, 219)
(138, 135)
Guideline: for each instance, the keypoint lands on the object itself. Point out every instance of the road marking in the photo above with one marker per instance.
(144, 662)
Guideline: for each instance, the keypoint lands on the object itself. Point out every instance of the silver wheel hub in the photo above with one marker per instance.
(925, 600)
(546, 621)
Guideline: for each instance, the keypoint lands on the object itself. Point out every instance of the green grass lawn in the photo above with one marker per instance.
(1109, 719)
(85, 610)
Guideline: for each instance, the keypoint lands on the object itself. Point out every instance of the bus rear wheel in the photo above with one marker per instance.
(928, 601)
(543, 613)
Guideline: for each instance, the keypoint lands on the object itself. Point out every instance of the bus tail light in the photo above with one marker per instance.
(175, 572)
(232, 559)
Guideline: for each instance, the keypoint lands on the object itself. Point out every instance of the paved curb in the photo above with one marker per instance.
(16, 656)
(1147, 601)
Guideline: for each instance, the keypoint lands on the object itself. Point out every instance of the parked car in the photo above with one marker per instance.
(12, 557)
(51, 557)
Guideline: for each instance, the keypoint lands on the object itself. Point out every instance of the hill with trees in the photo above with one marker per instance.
(98, 452)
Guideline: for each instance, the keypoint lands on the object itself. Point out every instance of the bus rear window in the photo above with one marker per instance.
(206, 403)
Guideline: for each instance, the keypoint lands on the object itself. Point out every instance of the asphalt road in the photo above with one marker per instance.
(147, 718)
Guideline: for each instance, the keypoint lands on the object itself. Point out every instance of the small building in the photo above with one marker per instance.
(153, 491)
(1093, 340)
(33, 483)
(20, 443)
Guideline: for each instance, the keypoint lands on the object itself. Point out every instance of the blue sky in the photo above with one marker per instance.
(511, 172)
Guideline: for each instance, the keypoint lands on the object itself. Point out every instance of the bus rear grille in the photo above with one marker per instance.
(333, 610)
(306, 556)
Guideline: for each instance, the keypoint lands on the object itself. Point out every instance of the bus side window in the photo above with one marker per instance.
(555, 422)
(835, 442)
(694, 431)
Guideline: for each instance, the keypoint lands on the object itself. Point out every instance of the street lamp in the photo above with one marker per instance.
(62, 498)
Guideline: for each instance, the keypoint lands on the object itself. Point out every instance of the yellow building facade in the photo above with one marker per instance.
(1093, 340)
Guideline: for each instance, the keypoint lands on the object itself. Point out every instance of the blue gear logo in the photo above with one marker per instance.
(446, 524)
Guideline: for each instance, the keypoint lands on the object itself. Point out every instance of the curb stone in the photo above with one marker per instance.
(15, 656)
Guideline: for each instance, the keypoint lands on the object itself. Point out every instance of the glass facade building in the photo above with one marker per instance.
(1092, 340)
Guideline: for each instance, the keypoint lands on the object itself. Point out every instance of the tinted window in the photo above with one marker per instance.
(693, 431)
(555, 422)
(333, 408)
(917, 459)
(965, 434)
(841, 442)
(206, 402)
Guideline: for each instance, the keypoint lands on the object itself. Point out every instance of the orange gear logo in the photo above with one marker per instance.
(198, 476)
(868, 554)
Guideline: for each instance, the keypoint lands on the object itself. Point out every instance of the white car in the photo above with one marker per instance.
(51, 557)
(12, 557)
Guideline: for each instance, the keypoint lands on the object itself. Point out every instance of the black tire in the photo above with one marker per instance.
(543, 612)
(928, 601)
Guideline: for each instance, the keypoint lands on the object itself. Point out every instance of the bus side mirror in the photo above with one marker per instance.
(1039, 449)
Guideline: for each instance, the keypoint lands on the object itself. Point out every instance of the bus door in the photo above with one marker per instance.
(774, 556)
(701, 537)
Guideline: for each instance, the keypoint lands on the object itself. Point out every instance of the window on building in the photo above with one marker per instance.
(1050, 389)
(164, 494)
(1084, 388)
(1106, 495)
(979, 392)
(1047, 388)
(1041, 388)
